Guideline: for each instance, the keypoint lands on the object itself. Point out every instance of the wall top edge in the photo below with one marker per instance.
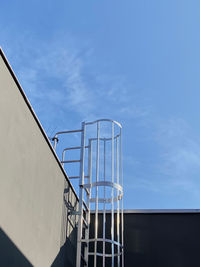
(162, 211)
(153, 211)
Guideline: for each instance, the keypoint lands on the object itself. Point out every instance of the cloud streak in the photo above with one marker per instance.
(55, 77)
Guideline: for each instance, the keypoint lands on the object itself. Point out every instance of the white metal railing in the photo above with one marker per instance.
(100, 187)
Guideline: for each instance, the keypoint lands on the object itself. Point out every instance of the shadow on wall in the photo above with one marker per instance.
(67, 254)
(10, 255)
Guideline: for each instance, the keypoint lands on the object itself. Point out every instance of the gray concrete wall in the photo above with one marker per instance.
(32, 213)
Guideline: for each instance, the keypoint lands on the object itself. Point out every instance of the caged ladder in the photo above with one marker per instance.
(100, 193)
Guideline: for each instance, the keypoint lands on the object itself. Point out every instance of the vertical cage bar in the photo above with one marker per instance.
(88, 199)
(81, 196)
(118, 222)
(112, 215)
(96, 203)
(122, 213)
(104, 205)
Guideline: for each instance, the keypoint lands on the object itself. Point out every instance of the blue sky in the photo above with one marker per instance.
(137, 62)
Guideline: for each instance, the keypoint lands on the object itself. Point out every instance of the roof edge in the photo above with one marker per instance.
(165, 211)
(153, 211)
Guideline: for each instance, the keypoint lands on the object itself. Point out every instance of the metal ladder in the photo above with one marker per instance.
(93, 176)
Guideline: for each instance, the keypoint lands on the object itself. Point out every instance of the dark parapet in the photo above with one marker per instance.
(162, 239)
(158, 238)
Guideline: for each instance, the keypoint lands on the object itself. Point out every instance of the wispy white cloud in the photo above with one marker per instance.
(64, 68)
(52, 73)
(55, 76)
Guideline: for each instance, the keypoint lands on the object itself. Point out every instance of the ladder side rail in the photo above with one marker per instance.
(104, 204)
(88, 201)
(112, 203)
(81, 196)
(96, 203)
(122, 213)
(118, 218)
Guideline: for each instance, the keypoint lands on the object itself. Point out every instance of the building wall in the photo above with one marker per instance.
(156, 238)
(32, 212)
(167, 239)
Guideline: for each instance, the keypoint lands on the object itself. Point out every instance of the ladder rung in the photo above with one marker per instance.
(74, 147)
(71, 148)
(74, 177)
(70, 161)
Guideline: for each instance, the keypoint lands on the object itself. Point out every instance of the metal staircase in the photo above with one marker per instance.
(100, 192)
